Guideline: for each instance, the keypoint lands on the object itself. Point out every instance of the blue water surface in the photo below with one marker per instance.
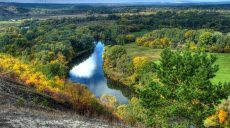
(90, 73)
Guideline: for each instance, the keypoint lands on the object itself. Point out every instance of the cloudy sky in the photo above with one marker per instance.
(107, 1)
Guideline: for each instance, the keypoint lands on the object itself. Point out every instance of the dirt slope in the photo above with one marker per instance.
(22, 107)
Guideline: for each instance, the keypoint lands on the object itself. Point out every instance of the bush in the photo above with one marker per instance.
(109, 101)
(53, 69)
(221, 117)
(132, 113)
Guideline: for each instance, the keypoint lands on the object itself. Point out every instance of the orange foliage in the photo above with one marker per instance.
(75, 95)
(222, 116)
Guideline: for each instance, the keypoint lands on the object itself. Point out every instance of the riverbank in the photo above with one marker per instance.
(118, 67)
(89, 72)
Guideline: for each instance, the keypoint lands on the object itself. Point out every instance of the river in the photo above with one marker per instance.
(90, 73)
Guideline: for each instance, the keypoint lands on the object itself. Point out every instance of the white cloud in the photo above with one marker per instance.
(86, 68)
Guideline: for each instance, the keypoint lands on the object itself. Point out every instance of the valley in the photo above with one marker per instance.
(114, 65)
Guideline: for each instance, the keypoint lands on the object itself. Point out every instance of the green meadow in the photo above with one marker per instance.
(223, 75)
(6, 24)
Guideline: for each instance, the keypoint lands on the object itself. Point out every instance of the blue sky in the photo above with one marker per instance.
(108, 1)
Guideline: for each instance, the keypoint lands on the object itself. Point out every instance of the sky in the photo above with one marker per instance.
(108, 1)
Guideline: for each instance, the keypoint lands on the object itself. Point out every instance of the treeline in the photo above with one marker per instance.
(176, 92)
(183, 19)
(201, 39)
(121, 27)
(99, 28)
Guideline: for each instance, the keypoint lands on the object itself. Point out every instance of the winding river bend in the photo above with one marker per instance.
(90, 73)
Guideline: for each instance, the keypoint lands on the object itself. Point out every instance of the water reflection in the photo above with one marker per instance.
(90, 72)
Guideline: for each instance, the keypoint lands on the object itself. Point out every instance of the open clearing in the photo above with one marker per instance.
(6, 24)
(134, 50)
(223, 75)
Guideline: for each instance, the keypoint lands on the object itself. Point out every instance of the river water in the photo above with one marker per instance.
(90, 73)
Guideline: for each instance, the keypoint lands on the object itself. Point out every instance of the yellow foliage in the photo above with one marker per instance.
(140, 62)
(59, 82)
(221, 117)
(120, 111)
(188, 34)
(140, 41)
(164, 41)
(211, 121)
(152, 43)
(147, 44)
(77, 96)
(133, 78)
(27, 74)
(192, 46)
(109, 101)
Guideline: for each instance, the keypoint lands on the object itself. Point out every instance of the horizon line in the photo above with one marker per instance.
(188, 2)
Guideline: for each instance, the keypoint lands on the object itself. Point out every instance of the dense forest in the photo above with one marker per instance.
(176, 90)
(206, 39)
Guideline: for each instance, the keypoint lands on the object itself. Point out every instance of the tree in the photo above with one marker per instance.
(124, 65)
(185, 91)
(121, 39)
(113, 53)
(205, 38)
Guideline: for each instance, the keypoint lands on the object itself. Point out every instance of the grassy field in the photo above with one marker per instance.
(134, 50)
(7, 24)
(223, 75)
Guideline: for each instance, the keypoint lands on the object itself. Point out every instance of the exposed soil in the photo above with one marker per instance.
(23, 107)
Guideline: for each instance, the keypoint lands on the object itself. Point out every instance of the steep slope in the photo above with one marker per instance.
(21, 106)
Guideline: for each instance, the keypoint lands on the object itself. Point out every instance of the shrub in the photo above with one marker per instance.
(221, 117)
(132, 113)
(109, 101)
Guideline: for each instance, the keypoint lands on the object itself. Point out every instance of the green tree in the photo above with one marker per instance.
(114, 53)
(205, 38)
(185, 91)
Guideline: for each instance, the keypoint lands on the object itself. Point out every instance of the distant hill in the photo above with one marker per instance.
(30, 10)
